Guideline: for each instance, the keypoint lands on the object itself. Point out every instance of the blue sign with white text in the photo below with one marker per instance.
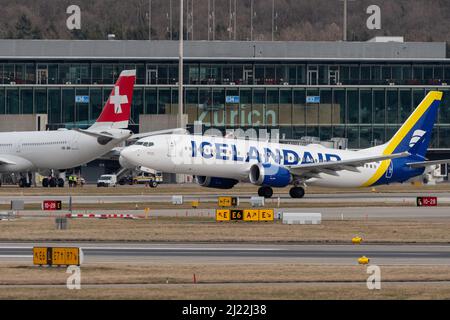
(232, 99)
(313, 99)
(81, 99)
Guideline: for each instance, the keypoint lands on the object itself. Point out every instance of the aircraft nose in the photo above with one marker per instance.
(130, 155)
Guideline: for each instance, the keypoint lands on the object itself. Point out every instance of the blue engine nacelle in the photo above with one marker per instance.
(213, 182)
(268, 174)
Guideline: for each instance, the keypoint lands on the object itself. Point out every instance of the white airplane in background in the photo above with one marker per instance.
(222, 162)
(47, 151)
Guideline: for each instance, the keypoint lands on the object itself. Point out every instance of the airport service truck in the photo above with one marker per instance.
(107, 180)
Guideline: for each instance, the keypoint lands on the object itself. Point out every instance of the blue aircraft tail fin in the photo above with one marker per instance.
(414, 135)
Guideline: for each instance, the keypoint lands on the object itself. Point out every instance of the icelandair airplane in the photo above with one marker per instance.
(46, 151)
(223, 162)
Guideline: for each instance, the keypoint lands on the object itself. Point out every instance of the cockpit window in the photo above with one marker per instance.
(148, 144)
(139, 143)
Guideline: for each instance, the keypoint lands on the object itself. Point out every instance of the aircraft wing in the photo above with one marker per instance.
(154, 133)
(312, 170)
(97, 134)
(427, 163)
(6, 161)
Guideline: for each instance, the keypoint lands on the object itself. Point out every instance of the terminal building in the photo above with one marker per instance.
(361, 91)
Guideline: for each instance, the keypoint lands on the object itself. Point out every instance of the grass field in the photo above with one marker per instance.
(224, 281)
(181, 229)
(239, 292)
(182, 273)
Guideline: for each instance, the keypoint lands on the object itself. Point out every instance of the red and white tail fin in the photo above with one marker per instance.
(116, 112)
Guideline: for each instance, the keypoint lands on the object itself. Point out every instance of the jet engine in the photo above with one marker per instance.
(15, 164)
(272, 175)
(213, 182)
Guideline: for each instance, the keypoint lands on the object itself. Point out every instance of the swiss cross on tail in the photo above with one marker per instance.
(116, 112)
(117, 100)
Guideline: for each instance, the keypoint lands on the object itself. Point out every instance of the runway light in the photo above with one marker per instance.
(356, 240)
(363, 260)
(374, 190)
(195, 204)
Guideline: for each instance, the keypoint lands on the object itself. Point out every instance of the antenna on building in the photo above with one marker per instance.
(169, 18)
(344, 29)
(274, 20)
(149, 17)
(180, 69)
(252, 15)
(211, 20)
(190, 19)
(232, 20)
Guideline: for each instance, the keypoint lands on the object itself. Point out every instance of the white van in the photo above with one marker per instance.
(107, 180)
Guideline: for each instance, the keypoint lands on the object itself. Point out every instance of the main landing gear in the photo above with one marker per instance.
(295, 192)
(25, 181)
(265, 192)
(53, 182)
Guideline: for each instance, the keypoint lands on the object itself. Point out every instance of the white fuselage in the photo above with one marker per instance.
(232, 158)
(43, 150)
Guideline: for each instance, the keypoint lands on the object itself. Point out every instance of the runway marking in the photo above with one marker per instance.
(154, 248)
(185, 249)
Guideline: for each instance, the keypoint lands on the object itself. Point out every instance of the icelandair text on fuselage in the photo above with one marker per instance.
(223, 151)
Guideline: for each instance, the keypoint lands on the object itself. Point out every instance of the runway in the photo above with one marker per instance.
(255, 253)
(363, 197)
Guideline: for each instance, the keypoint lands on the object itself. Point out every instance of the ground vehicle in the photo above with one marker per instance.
(126, 180)
(107, 180)
(147, 179)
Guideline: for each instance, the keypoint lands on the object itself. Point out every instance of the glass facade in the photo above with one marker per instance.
(366, 116)
(364, 102)
(245, 73)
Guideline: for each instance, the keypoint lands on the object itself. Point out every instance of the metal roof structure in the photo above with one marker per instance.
(219, 50)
